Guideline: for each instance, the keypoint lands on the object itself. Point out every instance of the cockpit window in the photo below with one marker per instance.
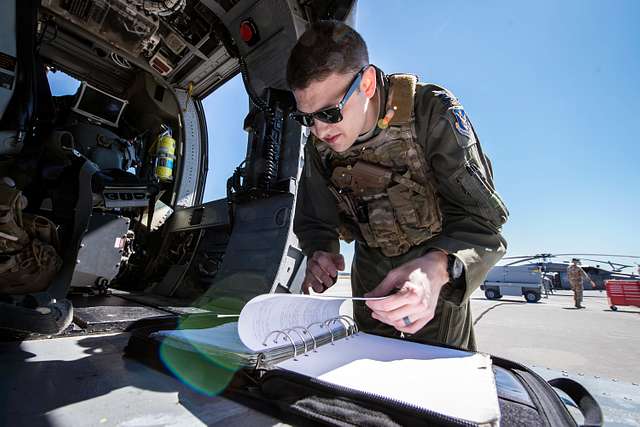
(62, 84)
(227, 141)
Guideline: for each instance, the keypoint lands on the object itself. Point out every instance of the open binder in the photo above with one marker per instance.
(309, 337)
(267, 343)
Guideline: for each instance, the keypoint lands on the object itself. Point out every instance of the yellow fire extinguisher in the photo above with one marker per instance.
(165, 156)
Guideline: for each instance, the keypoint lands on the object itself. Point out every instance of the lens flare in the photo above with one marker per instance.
(194, 366)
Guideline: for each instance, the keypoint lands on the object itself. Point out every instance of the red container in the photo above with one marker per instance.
(623, 292)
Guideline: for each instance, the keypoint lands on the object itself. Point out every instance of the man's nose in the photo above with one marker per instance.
(320, 129)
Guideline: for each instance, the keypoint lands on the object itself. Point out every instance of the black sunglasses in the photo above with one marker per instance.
(331, 114)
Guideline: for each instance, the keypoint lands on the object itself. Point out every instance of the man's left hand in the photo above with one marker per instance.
(418, 283)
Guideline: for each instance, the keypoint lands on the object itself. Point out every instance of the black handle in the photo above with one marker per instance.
(586, 402)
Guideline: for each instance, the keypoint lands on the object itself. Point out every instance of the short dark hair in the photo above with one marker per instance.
(325, 47)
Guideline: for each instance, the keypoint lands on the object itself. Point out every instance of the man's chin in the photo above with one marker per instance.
(340, 146)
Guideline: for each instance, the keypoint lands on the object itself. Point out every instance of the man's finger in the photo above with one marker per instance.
(389, 303)
(408, 294)
(326, 263)
(419, 315)
(405, 310)
(338, 260)
(417, 322)
(414, 327)
(385, 287)
(319, 287)
(413, 309)
(307, 283)
(321, 275)
(312, 282)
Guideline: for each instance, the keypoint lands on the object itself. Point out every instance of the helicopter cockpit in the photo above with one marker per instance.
(102, 190)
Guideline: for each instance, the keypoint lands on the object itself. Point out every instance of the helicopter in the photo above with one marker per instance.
(534, 275)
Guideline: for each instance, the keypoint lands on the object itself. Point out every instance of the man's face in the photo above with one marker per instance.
(321, 94)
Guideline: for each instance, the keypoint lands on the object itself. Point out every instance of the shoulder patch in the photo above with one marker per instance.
(462, 125)
(455, 115)
(447, 98)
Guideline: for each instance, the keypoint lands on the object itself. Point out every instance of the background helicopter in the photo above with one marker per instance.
(534, 275)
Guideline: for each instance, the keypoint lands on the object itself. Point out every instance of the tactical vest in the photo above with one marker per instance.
(384, 187)
(574, 274)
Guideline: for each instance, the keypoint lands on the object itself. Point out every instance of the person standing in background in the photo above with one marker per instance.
(576, 275)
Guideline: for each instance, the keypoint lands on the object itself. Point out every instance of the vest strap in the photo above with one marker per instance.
(410, 184)
(401, 98)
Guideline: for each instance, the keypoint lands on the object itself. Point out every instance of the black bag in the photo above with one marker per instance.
(525, 398)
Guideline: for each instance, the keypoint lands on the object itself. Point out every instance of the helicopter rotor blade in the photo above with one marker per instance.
(612, 264)
(615, 267)
(530, 256)
(548, 255)
(601, 255)
(519, 257)
(521, 260)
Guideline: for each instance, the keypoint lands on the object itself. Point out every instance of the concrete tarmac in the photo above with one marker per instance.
(551, 334)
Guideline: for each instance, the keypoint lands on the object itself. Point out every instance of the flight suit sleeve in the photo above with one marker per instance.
(316, 218)
(472, 210)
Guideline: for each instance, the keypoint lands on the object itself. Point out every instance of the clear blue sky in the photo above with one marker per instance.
(553, 89)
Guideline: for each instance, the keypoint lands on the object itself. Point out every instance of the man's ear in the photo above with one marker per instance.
(368, 83)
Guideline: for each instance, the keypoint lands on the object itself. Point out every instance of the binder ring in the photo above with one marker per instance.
(321, 325)
(347, 328)
(306, 331)
(304, 342)
(354, 325)
(278, 332)
(328, 325)
(315, 344)
(275, 340)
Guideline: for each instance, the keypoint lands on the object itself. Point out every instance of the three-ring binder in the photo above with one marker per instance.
(347, 322)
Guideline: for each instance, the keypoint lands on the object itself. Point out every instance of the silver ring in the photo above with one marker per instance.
(407, 321)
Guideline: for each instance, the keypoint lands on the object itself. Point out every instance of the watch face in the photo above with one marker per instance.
(458, 266)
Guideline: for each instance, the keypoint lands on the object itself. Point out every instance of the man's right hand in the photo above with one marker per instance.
(322, 271)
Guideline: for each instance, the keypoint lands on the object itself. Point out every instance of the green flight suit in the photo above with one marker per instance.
(472, 215)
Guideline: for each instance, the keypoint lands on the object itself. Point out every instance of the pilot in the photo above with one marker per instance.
(576, 274)
(395, 165)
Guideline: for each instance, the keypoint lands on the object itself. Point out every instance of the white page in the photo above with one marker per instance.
(272, 312)
(347, 297)
(450, 382)
(222, 336)
(265, 313)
